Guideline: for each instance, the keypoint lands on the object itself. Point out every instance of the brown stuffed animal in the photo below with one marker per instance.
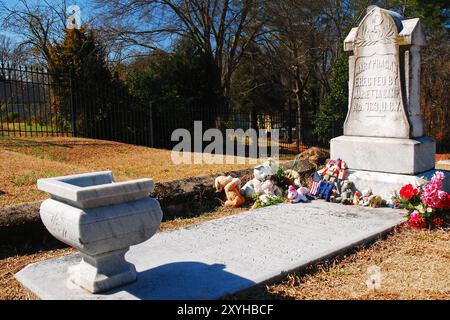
(231, 186)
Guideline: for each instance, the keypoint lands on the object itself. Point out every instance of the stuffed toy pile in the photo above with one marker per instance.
(331, 185)
(272, 184)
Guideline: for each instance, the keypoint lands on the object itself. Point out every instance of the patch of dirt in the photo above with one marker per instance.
(19, 215)
(314, 155)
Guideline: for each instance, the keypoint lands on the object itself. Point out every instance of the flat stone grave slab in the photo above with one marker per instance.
(226, 255)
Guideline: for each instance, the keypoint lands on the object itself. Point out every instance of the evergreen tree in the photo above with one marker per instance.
(84, 87)
(183, 86)
(332, 111)
(184, 79)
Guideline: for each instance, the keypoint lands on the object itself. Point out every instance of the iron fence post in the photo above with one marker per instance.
(72, 103)
(151, 124)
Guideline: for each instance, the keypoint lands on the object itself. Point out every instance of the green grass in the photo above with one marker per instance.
(31, 178)
(32, 148)
(23, 127)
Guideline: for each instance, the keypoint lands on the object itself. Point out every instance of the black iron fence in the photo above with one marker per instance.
(35, 102)
(26, 97)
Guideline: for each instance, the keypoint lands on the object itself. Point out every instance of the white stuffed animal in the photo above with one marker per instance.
(268, 187)
(365, 198)
(261, 173)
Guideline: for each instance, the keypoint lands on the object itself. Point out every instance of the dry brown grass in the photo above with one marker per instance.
(24, 160)
(414, 265)
(10, 288)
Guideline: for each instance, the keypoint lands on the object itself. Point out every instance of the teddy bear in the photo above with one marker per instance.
(376, 201)
(268, 187)
(345, 193)
(231, 186)
(304, 191)
(365, 198)
(260, 173)
(294, 176)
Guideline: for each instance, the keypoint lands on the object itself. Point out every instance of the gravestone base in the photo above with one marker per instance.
(384, 184)
(388, 155)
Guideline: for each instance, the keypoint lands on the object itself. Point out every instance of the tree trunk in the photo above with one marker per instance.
(298, 101)
(290, 111)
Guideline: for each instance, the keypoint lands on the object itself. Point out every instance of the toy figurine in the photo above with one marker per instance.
(356, 197)
(295, 196)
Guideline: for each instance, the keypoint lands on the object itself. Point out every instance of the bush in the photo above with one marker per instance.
(12, 116)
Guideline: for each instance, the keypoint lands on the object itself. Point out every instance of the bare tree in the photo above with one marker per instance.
(11, 52)
(222, 28)
(295, 43)
(38, 24)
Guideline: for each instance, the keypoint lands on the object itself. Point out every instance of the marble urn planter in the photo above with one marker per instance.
(102, 219)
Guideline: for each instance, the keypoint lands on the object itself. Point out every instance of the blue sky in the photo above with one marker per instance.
(85, 6)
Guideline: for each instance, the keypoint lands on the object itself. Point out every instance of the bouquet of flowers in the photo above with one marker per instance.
(428, 206)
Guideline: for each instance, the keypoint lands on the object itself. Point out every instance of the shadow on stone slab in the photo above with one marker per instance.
(184, 281)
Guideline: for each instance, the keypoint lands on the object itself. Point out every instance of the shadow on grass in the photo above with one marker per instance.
(25, 143)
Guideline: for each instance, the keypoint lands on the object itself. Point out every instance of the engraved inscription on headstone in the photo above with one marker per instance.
(376, 105)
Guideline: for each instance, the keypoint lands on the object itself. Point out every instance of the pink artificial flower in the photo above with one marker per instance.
(438, 176)
(430, 193)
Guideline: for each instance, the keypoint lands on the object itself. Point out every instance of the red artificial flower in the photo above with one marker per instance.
(444, 200)
(438, 222)
(416, 220)
(408, 191)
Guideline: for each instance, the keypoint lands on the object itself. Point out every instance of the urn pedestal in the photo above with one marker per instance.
(102, 219)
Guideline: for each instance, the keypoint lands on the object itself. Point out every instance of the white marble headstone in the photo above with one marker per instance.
(376, 100)
(384, 130)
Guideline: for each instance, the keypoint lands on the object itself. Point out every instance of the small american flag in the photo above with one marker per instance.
(314, 188)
